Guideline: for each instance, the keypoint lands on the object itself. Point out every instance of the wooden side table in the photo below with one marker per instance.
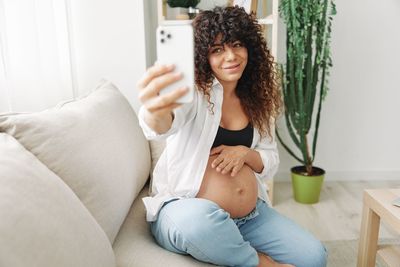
(377, 206)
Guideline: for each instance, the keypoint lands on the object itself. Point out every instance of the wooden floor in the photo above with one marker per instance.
(338, 214)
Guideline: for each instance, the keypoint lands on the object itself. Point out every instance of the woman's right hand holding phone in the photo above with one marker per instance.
(158, 108)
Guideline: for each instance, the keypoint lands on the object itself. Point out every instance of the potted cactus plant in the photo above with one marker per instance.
(304, 87)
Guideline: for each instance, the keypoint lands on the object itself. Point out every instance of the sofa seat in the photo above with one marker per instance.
(135, 246)
(72, 179)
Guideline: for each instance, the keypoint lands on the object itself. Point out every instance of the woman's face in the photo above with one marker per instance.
(228, 60)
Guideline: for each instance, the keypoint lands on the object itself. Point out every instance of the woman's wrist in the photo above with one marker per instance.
(247, 156)
(159, 124)
(253, 159)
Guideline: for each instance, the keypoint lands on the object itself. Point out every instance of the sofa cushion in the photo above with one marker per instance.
(42, 222)
(156, 149)
(135, 246)
(95, 144)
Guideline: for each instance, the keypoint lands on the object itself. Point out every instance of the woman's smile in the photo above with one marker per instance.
(232, 68)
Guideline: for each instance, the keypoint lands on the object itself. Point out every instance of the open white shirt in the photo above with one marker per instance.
(180, 169)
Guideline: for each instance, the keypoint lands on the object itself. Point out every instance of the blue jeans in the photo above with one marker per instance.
(199, 227)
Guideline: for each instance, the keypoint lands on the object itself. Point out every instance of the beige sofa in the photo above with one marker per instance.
(71, 182)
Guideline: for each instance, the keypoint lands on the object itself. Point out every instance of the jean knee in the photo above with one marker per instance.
(190, 218)
(316, 256)
(323, 256)
(198, 216)
(190, 209)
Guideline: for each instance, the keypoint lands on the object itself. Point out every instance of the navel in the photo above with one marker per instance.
(240, 190)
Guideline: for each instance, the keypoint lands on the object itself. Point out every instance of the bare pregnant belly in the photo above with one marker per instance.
(236, 195)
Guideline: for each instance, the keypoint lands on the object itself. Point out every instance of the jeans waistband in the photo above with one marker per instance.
(254, 213)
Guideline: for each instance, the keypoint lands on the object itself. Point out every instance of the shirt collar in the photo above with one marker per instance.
(216, 84)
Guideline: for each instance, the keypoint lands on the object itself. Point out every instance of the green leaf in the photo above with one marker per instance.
(183, 3)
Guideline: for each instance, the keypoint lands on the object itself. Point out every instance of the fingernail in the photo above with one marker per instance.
(218, 169)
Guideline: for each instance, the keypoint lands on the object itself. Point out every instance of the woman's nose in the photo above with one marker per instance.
(229, 54)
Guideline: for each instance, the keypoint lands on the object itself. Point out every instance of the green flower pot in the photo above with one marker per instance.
(307, 188)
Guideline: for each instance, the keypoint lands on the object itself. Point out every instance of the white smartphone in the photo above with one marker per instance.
(175, 45)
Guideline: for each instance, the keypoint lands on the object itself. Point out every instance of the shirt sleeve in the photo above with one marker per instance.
(268, 150)
(182, 115)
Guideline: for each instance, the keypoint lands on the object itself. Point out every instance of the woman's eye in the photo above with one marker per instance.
(237, 44)
(216, 50)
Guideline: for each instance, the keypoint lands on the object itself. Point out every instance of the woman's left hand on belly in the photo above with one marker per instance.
(230, 158)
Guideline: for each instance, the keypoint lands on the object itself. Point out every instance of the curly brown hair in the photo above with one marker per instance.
(258, 88)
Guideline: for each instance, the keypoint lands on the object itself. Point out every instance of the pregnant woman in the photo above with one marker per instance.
(208, 197)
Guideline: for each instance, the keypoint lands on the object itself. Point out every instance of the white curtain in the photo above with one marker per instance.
(36, 66)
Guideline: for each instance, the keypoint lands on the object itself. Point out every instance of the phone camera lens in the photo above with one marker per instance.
(162, 32)
(169, 36)
(162, 40)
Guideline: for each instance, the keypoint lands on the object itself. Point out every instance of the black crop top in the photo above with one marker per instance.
(227, 137)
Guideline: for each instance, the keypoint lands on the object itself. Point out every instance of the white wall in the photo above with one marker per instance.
(109, 42)
(360, 129)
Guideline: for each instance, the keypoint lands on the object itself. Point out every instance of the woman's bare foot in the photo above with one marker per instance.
(266, 261)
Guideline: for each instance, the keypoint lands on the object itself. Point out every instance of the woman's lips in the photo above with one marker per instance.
(232, 69)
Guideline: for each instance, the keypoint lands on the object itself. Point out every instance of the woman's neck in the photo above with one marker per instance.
(229, 88)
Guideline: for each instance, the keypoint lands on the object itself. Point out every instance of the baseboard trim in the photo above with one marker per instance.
(349, 176)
